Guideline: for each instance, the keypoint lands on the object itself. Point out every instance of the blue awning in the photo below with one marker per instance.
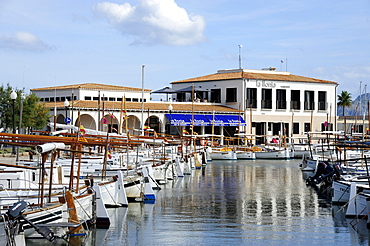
(178, 119)
(205, 120)
(219, 120)
(199, 120)
(235, 120)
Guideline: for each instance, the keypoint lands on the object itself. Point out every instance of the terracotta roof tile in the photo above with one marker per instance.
(91, 86)
(254, 75)
(157, 106)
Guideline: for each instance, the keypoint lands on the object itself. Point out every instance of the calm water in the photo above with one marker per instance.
(234, 203)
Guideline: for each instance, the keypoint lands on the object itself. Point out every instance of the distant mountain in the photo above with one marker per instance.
(359, 105)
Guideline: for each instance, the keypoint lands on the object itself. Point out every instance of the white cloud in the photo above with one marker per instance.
(154, 22)
(23, 41)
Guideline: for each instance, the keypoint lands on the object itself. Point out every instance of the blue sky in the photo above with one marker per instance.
(47, 43)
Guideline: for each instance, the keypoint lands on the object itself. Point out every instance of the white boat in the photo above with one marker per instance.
(273, 154)
(341, 188)
(48, 214)
(223, 154)
(308, 163)
(245, 155)
(300, 150)
(357, 204)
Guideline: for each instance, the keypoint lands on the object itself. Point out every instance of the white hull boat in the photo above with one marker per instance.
(245, 155)
(273, 154)
(223, 155)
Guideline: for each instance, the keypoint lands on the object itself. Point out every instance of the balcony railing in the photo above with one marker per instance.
(280, 104)
(266, 104)
(322, 106)
(251, 103)
(309, 105)
(296, 105)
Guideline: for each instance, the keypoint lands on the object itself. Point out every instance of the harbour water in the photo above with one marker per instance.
(259, 202)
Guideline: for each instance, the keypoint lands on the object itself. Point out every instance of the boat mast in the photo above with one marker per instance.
(142, 100)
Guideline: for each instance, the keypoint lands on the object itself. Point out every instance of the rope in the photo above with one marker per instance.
(110, 194)
(84, 210)
(344, 192)
(347, 203)
(363, 217)
(9, 238)
(135, 183)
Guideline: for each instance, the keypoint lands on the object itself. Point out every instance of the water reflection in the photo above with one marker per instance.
(234, 203)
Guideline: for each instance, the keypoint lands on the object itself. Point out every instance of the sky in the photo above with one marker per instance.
(49, 43)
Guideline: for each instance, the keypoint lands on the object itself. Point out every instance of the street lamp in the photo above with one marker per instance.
(170, 107)
(66, 105)
(327, 126)
(327, 120)
(13, 96)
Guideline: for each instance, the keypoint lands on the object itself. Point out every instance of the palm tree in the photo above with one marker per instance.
(344, 100)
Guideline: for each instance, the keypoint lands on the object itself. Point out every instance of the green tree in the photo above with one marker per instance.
(6, 105)
(344, 100)
(34, 113)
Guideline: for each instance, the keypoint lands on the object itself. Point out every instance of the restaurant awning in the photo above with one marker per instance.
(205, 120)
(178, 119)
(235, 120)
(199, 120)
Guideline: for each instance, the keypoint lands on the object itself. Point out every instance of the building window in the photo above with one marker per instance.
(216, 95)
(96, 98)
(128, 99)
(88, 98)
(266, 102)
(322, 100)
(62, 99)
(57, 99)
(307, 127)
(46, 99)
(329, 127)
(51, 99)
(295, 99)
(280, 99)
(231, 95)
(180, 97)
(135, 99)
(295, 128)
(104, 98)
(251, 97)
(112, 99)
(119, 99)
(309, 100)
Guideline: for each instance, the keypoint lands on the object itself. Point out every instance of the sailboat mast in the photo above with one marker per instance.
(192, 116)
(142, 100)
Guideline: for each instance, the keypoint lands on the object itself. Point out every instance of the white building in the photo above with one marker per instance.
(259, 102)
(93, 106)
(274, 103)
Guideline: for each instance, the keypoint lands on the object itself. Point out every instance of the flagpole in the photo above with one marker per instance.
(120, 118)
(142, 100)
(79, 155)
